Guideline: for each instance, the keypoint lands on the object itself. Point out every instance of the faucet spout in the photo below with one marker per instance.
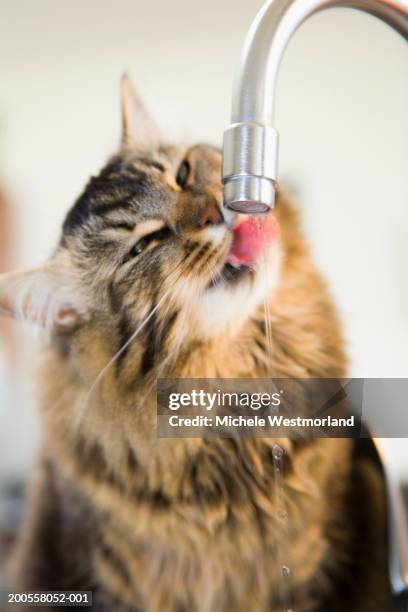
(251, 142)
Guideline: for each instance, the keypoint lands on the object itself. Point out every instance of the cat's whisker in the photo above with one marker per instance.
(267, 314)
(128, 342)
(216, 279)
(161, 367)
(113, 360)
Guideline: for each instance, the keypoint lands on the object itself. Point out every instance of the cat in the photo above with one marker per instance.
(142, 284)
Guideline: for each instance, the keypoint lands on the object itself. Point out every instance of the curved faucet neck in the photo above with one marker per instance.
(273, 27)
(251, 142)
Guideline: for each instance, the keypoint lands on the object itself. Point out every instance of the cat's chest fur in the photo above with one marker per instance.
(187, 524)
(212, 541)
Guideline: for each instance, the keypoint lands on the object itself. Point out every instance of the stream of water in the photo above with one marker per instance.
(278, 459)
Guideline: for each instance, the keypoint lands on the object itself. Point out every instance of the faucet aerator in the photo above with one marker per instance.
(249, 208)
(249, 194)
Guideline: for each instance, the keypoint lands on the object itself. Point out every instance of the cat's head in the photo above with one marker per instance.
(148, 246)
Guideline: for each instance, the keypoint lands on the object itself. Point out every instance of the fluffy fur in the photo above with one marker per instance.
(182, 525)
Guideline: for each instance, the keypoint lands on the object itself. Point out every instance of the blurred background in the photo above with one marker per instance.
(342, 118)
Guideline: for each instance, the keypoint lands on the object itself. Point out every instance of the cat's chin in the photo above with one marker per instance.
(230, 275)
(235, 294)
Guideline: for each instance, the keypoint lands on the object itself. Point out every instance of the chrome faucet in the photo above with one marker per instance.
(250, 170)
(251, 141)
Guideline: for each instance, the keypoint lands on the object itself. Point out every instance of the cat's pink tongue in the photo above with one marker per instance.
(251, 237)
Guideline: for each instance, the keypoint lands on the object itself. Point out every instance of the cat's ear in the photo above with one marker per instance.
(138, 128)
(46, 296)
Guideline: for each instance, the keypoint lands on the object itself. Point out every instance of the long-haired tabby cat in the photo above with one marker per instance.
(183, 525)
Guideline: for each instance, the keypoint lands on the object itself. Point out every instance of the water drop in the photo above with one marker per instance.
(277, 452)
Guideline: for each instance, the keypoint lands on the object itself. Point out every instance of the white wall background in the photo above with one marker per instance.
(341, 113)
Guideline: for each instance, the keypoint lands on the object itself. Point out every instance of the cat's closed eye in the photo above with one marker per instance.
(142, 244)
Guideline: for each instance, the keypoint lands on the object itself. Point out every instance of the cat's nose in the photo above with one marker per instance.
(210, 214)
